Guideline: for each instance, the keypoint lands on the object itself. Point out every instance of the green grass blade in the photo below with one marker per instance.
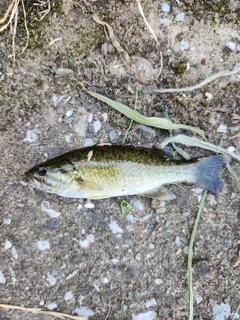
(161, 123)
(190, 253)
(199, 143)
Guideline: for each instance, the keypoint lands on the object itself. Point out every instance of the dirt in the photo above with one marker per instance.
(116, 274)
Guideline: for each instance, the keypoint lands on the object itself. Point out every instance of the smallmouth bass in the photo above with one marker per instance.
(98, 172)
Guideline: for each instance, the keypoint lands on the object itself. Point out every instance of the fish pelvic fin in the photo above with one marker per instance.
(208, 173)
(160, 193)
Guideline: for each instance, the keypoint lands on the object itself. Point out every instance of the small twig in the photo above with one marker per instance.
(7, 12)
(147, 24)
(37, 310)
(25, 24)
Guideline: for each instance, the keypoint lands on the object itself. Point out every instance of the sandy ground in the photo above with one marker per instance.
(70, 258)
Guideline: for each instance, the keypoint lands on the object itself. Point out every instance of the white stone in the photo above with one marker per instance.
(178, 241)
(222, 128)
(197, 190)
(97, 125)
(43, 245)
(84, 312)
(7, 245)
(150, 315)
(166, 7)
(69, 113)
(51, 305)
(7, 220)
(231, 45)
(68, 296)
(115, 227)
(14, 253)
(114, 260)
(231, 149)
(150, 303)
(41, 303)
(91, 238)
(68, 138)
(71, 275)
(84, 243)
(2, 278)
(148, 129)
(89, 142)
(13, 276)
(105, 280)
(180, 17)
(80, 127)
(61, 71)
(105, 116)
(30, 136)
(222, 311)
(158, 281)
(52, 213)
(198, 298)
(130, 218)
(90, 117)
(89, 204)
(51, 279)
(138, 205)
(184, 45)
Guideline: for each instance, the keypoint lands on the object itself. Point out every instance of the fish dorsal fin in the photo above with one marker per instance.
(160, 193)
(87, 185)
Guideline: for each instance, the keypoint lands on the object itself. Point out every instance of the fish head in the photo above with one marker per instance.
(51, 177)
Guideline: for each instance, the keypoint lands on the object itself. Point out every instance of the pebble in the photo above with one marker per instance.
(84, 312)
(61, 71)
(198, 298)
(68, 296)
(14, 253)
(158, 281)
(80, 127)
(150, 315)
(51, 279)
(148, 129)
(166, 7)
(105, 116)
(180, 17)
(184, 45)
(7, 245)
(178, 241)
(2, 278)
(131, 218)
(89, 142)
(51, 305)
(30, 136)
(69, 113)
(97, 125)
(90, 117)
(231, 45)
(45, 208)
(43, 245)
(222, 128)
(138, 205)
(222, 311)
(231, 149)
(150, 303)
(89, 204)
(115, 227)
(113, 136)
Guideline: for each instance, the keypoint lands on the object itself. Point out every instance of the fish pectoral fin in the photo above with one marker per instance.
(87, 185)
(160, 193)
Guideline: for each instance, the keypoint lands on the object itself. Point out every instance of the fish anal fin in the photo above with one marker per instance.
(87, 185)
(160, 193)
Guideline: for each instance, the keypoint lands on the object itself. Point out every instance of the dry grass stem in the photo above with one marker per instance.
(14, 7)
(235, 136)
(153, 34)
(147, 24)
(37, 310)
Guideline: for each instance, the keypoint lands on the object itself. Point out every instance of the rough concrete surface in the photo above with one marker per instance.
(87, 255)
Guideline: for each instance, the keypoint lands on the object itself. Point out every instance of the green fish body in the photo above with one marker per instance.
(109, 171)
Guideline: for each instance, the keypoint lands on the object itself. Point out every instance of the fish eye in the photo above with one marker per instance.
(42, 171)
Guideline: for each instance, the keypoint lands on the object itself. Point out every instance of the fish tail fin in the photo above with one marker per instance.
(208, 173)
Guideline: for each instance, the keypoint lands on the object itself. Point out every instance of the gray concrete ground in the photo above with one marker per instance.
(77, 256)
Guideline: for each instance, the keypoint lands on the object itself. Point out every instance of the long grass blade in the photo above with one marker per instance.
(199, 143)
(161, 123)
(190, 254)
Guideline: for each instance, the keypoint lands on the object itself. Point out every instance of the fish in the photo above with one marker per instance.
(104, 171)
